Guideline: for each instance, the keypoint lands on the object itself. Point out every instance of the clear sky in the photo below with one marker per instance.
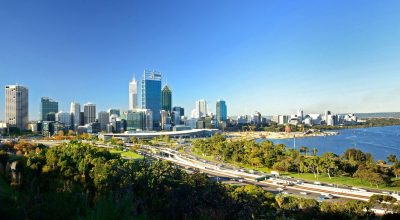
(270, 56)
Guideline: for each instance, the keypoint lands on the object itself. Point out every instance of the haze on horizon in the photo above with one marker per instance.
(268, 56)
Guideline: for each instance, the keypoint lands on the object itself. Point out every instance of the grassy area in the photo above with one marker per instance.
(342, 180)
(201, 155)
(128, 154)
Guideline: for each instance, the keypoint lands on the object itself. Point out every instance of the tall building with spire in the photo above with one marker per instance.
(166, 99)
(133, 94)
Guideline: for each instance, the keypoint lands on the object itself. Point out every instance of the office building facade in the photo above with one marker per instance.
(221, 111)
(166, 99)
(47, 106)
(16, 106)
(151, 95)
(104, 120)
(89, 113)
(133, 94)
(75, 110)
(201, 107)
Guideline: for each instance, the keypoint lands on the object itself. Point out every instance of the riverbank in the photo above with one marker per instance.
(277, 135)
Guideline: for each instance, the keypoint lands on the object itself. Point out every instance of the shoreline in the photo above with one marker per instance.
(277, 135)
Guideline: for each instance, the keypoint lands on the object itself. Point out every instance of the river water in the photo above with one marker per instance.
(379, 141)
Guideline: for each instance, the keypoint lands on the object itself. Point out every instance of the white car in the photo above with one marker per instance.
(303, 193)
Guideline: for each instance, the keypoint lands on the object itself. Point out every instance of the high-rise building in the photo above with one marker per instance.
(75, 111)
(257, 119)
(300, 115)
(138, 119)
(201, 107)
(89, 113)
(47, 106)
(177, 114)
(221, 111)
(116, 112)
(133, 94)
(64, 118)
(81, 118)
(166, 99)
(180, 110)
(16, 114)
(104, 120)
(151, 95)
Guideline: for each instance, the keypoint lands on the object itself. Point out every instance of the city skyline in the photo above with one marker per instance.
(342, 56)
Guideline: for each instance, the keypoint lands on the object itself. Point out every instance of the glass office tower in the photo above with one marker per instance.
(151, 95)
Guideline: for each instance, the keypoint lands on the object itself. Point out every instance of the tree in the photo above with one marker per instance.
(328, 163)
(314, 151)
(392, 158)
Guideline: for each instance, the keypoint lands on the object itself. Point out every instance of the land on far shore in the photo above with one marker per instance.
(277, 135)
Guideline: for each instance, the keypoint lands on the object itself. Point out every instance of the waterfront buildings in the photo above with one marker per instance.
(151, 95)
(166, 99)
(75, 111)
(133, 94)
(89, 113)
(48, 108)
(16, 103)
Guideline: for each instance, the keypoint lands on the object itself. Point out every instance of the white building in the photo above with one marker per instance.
(201, 107)
(133, 94)
(75, 112)
(17, 106)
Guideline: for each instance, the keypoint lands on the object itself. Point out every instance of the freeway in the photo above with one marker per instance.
(296, 186)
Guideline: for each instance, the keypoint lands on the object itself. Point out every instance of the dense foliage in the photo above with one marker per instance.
(77, 181)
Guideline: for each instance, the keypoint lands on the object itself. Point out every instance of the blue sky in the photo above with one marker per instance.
(270, 56)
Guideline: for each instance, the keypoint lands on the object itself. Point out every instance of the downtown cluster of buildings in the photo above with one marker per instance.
(155, 112)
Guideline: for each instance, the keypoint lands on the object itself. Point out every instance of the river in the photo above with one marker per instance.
(379, 141)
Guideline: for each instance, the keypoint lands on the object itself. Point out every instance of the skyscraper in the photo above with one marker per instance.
(201, 107)
(64, 118)
(179, 109)
(221, 111)
(16, 112)
(47, 106)
(177, 114)
(151, 95)
(166, 99)
(116, 112)
(89, 113)
(104, 120)
(75, 111)
(133, 94)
